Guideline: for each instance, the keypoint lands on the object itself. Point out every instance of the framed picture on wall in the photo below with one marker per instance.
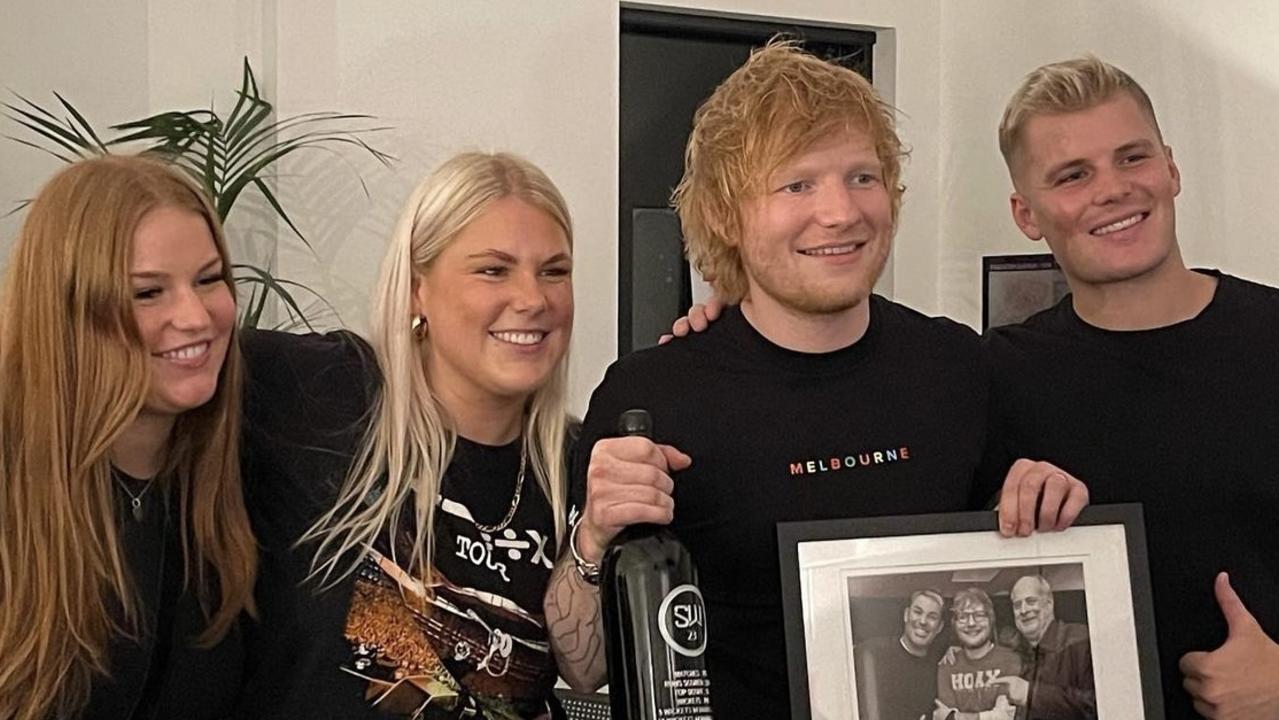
(901, 617)
(1014, 287)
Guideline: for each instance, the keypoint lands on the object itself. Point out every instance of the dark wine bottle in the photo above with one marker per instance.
(654, 619)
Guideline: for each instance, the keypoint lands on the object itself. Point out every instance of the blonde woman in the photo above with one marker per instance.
(426, 474)
(126, 555)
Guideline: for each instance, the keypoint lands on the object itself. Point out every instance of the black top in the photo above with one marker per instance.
(478, 640)
(161, 673)
(305, 404)
(892, 683)
(893, 424)
(1182, 419)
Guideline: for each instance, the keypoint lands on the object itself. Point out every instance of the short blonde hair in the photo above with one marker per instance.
(781, 101)
(1065, 87)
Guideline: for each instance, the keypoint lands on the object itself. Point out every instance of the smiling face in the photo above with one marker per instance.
(1099, 186)
(973, 625)
(816, 239)
(183, 307)
(922, 621)
(1032, 608)
(498, 302)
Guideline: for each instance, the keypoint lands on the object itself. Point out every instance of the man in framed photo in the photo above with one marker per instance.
(1153, 381)
(972, 684)
(897, 675)
(1057, 678)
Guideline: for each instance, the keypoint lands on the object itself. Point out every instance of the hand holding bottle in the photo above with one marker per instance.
(628, 482)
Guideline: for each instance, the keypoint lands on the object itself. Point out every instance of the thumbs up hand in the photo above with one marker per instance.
(1240, 679)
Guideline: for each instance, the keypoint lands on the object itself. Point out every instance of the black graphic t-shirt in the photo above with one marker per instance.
(476, 638)
(893, 424)
(892, 683)
(378, 643)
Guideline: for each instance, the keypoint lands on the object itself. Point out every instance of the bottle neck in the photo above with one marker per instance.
(640, 531)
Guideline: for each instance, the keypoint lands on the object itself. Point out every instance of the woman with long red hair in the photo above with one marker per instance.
(126, 555)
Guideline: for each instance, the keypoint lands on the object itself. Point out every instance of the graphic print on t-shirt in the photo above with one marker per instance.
(474, 639)
(495, 552)
(967, 685)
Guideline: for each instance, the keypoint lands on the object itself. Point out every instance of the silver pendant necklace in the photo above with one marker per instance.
(135, 501)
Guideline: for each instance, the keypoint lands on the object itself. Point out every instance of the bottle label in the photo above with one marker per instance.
(682, 620)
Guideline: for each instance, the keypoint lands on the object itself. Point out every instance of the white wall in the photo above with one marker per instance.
(540, 78)
(94, 54)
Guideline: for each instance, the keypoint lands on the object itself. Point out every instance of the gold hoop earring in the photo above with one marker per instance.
(418, 326)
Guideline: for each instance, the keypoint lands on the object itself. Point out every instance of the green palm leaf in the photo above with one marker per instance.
(256, 277)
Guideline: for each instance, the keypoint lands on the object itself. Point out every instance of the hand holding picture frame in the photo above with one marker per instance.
(901, 617)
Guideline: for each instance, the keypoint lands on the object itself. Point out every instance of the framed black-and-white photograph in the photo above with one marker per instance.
(898, 618)
(1014, 287)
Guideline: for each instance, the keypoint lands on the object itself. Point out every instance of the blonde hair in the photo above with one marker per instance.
(1065, 87)
(771, 108)
(409, 444)
(74, 375)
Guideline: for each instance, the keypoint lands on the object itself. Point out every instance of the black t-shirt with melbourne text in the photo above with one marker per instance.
(1182, 419)
(893, 424)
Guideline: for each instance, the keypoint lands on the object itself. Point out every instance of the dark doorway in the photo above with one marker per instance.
(670, 62)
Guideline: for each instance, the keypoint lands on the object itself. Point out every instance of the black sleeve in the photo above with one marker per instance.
(582, 454)
(307, 399)
(576, 490)
(600, 422)
(301, 386)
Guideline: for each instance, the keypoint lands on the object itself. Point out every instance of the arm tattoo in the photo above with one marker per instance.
(576, 628)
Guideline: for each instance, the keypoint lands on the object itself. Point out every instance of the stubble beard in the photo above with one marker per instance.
(804, 300)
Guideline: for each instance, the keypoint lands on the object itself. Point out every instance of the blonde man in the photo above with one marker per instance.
(812, 399)
(1152, 380)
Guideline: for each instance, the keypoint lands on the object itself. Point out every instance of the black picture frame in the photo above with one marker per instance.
(824, 563)
(1014, 287)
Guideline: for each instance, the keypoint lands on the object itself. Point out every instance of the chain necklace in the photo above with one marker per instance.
(515, 499)
(135, 501)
